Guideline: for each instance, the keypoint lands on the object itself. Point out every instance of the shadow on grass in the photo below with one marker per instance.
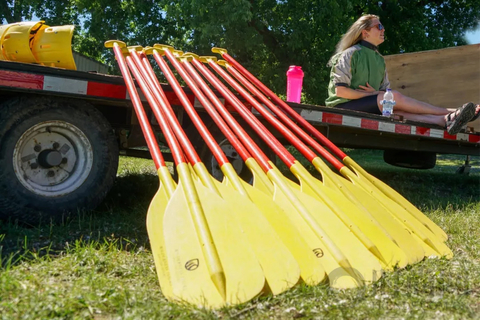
(119, 220)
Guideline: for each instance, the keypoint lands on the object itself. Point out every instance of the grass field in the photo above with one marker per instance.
(98, 265)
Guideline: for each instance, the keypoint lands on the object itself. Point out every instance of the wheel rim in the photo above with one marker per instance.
(52, 158)
(233, 157)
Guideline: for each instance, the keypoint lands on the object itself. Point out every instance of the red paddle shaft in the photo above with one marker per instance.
(263, 132)
(221, 123)
(285, 107)
(286, 120)
(258, 126)
(155, 103)
(202, 129)
(138, 107)
(187, 145)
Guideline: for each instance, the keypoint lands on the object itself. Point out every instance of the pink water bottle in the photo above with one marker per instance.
(294, 83)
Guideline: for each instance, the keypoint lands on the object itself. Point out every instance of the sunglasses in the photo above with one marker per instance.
(379, 26)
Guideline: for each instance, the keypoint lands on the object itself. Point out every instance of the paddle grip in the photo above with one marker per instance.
(139, 111)
(285, 107)
(170, 137)
(287, 121)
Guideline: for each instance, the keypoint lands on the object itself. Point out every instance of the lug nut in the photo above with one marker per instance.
(64, 160)
(34, 165)
(50, 173)
(56, 145)
(37, 148)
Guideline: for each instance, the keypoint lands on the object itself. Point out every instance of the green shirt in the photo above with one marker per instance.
(354, 67)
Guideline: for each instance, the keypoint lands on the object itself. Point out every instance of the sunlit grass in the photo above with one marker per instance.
(98, 265)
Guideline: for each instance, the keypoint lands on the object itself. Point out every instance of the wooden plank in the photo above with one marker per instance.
(445, 78)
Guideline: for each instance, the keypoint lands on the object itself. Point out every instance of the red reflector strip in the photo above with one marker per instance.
(420, 131)
(449, 136)
(473, 138)
(369, 124)
(106, 90)
(21, 80)
(401, 128)
(332, 118)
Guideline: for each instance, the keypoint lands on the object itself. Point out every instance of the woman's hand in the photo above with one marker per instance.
(368, 89)
(348, 93)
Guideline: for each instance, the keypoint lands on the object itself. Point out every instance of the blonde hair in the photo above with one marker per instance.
(354, 34)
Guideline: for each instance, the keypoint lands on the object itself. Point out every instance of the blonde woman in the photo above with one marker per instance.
(358, 80)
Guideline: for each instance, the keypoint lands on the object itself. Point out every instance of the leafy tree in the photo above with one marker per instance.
(266, 36)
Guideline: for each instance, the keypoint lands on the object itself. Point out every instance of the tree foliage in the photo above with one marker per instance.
(266, 36)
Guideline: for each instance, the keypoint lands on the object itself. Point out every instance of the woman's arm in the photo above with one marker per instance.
(347, 93)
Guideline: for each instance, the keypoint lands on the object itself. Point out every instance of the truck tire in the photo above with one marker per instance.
(235, 159)
(56, 157)
(410, 159)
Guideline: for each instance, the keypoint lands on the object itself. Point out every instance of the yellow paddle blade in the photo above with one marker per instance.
(311, 270)
(394, 195)
(338, 277)
(406, 218)
(191, 280)
(390, 225)
(389, 254)
(362, 260)
(335, 238)
(260, 179)
(418, 228)
(280, 268)
(349, 201)
(156, 212)
(354, 249)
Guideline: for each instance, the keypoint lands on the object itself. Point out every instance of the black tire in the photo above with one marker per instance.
(410, 159)
(237, 162)
(56, 157)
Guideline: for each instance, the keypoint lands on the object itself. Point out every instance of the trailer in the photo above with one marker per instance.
(62, 131)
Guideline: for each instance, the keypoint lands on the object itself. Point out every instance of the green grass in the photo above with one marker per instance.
(98, 265)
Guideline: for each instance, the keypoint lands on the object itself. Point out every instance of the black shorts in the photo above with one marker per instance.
(366, 104)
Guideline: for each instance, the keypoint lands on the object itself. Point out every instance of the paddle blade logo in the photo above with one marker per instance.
(192, 264)
(318, 252)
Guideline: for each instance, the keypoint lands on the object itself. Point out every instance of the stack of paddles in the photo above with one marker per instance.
(218, 244)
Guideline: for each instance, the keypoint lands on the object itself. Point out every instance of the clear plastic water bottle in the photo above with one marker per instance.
(388, 102)
(294, 83)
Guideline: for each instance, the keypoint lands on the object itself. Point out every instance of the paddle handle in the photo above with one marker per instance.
(139, 111)
(285, 107)
(286, 120)
(167, 131)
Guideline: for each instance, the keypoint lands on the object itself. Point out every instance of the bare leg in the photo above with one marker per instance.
(412, 106)
(427, 118)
